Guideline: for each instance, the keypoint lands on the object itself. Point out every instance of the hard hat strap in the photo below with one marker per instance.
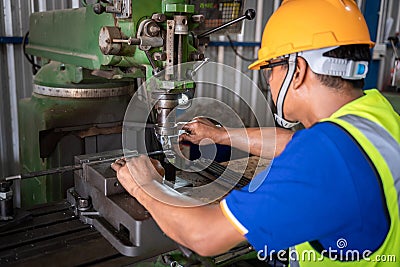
(279, 116)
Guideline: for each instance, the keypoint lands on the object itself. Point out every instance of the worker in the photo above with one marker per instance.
(333, 190)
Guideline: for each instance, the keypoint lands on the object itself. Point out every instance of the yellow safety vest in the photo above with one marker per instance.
(374, 124)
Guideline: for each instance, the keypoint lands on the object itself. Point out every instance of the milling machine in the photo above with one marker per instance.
(92, 59)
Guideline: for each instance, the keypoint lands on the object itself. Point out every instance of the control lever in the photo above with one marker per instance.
(196, 69)
(250, 14)
(64, 169)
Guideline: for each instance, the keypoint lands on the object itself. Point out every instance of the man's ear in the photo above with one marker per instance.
(300, 73)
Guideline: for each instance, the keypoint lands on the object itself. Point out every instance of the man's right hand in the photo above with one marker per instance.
(202, 131)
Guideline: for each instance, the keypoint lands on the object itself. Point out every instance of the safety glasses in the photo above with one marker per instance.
(267, 69)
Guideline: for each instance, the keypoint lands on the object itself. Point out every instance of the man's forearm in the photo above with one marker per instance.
(192, 227)
(266, 142)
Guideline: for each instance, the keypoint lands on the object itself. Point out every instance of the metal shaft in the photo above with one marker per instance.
(179, 57)
(44, 172)
(63, 169)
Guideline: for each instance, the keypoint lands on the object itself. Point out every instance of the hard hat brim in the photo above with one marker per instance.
(256, 64)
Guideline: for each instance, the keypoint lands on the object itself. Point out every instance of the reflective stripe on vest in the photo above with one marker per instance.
(383, 142)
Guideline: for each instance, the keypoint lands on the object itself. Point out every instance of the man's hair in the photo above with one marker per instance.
(358, 52)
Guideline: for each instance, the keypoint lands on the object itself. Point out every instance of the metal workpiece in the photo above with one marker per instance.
(114, 213)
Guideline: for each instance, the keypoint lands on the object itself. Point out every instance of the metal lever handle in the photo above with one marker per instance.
(65, 168)
(249, 14)
(193, 73)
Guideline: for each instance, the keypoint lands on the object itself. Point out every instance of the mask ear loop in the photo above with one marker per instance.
(279, 116)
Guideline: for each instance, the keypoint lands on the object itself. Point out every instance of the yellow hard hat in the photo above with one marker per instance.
(300, 25)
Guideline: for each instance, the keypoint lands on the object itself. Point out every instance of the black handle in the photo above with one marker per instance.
(249, 14)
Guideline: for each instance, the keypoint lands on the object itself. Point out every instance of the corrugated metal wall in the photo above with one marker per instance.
(16, 73)
(15, 81)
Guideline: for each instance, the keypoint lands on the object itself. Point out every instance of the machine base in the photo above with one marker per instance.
(54, 236)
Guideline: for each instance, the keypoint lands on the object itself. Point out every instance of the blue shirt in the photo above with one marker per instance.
(322, 187)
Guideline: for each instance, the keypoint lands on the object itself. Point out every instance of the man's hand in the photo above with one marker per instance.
(202, 130)
(136, 172)
(192, 227)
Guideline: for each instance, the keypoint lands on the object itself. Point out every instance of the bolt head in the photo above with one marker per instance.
(83, 203)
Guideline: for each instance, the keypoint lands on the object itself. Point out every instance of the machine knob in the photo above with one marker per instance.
(98, 8)
(250, 14)
(106, 40)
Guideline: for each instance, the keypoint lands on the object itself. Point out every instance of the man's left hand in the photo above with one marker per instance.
(136, 172)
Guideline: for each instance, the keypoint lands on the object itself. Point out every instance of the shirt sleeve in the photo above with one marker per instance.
(306, 195)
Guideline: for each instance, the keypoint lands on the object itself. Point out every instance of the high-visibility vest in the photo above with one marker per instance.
(373, 123)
